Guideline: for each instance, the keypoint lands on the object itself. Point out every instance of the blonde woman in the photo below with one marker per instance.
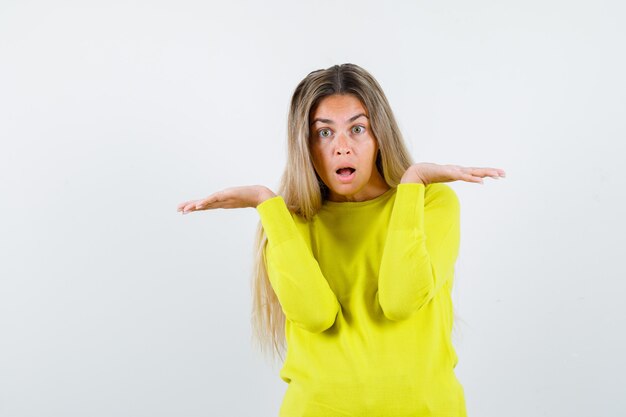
(356, 257)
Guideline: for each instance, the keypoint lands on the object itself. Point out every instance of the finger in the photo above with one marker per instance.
(210, 201)
(184, 207)
(210, 205)
(488, 173)
(469, 176)
(181, 206)
(187, 205)
(496, 173)
(191, 206)
(484, 172)
(201, 204)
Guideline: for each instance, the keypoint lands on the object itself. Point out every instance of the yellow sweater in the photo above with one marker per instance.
(366, 290)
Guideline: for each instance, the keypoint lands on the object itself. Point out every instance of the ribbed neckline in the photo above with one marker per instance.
(348, 205)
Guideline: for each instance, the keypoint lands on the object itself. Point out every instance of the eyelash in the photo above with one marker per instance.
(319, 132)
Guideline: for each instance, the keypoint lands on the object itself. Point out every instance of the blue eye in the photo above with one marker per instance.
(361, 129)
(324, 133)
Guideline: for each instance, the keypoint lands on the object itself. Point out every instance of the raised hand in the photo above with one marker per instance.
(427, 173)
(234, 197)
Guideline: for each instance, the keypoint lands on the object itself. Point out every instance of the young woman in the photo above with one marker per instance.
(356, 258)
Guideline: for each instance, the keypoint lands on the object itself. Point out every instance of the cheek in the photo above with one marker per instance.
(318, 160)
(370, 150)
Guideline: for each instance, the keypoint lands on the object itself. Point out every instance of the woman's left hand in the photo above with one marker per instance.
(427, 173)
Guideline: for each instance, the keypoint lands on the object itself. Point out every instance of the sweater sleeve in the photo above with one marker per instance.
(295, 275)
(420, 250)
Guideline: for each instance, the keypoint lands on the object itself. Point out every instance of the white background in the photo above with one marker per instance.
(113, 112)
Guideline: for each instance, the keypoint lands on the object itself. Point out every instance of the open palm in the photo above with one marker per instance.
(427, 173)
(234, 197)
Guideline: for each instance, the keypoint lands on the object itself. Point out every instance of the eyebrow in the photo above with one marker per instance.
(352, 119)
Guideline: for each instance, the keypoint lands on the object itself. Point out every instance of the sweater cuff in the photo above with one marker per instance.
(408, 208)
(276, 220)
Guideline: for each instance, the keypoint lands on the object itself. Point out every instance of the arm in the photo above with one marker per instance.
(304, 294)
(421, 248)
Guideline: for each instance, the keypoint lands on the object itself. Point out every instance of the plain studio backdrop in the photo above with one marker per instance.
(113, 112)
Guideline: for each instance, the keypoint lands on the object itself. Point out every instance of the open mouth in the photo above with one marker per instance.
(345, 175)
(345, 172)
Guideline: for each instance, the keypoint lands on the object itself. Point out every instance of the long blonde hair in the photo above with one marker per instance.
(302, 189)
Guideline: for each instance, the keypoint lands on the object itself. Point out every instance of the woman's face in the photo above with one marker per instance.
(344, 149)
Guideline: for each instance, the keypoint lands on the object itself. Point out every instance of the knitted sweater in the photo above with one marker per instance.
(366, 291)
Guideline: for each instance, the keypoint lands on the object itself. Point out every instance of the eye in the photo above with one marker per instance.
(358, 129)
(324, 133)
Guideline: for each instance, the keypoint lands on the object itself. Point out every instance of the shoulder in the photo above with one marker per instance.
(441, 195)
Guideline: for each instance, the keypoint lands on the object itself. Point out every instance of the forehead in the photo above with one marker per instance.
(338, 107)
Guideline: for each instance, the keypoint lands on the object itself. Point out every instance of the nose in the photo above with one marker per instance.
(342, 147)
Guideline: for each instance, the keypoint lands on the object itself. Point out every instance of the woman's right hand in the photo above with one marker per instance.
(234, 197)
